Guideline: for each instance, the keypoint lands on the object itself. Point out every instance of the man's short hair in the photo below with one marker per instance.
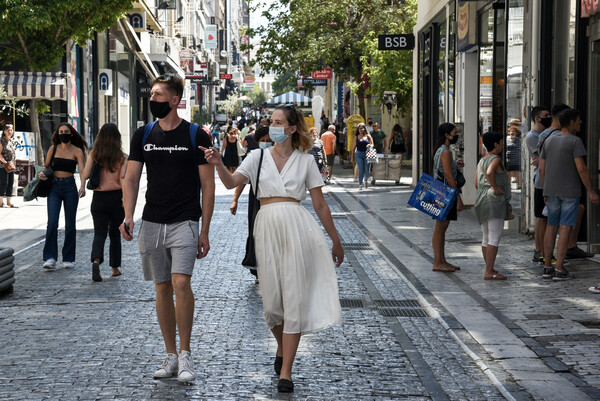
(331, 126)
(537, 111)
(557, 108)
(173, 83)
(566, 116)
(491, 138)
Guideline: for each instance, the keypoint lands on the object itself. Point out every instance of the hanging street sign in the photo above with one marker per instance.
(396, 42)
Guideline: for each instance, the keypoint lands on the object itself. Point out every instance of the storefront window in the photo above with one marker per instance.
(486, 73)
(514, 53)
(442, 73)
(451, 68)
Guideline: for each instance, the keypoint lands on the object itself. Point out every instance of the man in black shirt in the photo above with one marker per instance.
(169, 237)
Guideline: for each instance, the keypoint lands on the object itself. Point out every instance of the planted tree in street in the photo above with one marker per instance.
(257, 96)
(306, 35)
(284, 83)
(34, 34)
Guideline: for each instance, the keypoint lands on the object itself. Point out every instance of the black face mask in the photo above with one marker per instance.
(64, 138)
(546, 122)
(159, 109)
(454, 140)
(370, 123)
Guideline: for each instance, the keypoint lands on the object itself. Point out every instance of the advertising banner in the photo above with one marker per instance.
(211, 37)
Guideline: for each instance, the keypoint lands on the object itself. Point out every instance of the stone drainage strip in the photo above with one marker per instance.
(389, 307)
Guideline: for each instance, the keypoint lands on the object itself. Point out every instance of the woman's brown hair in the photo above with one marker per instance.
(301, 139)
(107, 148)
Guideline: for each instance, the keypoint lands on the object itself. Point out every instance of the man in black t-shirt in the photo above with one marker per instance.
(169, 237)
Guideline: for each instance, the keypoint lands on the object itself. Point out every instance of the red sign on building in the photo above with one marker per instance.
(325, 73)
(225, 76)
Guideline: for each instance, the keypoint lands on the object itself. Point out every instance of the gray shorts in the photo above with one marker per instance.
(167, 249)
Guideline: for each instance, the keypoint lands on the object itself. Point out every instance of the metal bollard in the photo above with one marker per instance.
(7, 270)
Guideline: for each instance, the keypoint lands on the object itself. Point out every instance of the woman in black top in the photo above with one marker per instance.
(231, 160)
(66, 153)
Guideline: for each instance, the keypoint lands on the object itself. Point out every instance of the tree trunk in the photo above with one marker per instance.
(35, 127)
(360, 94)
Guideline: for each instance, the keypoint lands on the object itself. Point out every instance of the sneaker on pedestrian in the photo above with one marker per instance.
(548, 272)
(595, 290)
(578, 253)
(360, 187)
(186, 370)
(543, 259)
(562, 275)
(366, 185)
(536, 256)
(68, 265)
(168, 367)
(49, 264)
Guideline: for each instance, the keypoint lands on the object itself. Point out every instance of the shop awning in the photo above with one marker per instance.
(168, 64)
(290, 97)
(35, 85)
(133, 42)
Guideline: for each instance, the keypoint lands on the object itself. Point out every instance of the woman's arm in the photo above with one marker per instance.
(2, 159)
(491, 175)
(370, 139)
(322, 210)
(87, 171)
(236, 196)
(80, 157)
(123, 170)
(229, 180)
(446, 160)
(48, 156)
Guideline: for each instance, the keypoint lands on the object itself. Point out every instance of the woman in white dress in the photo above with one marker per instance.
(296, 272)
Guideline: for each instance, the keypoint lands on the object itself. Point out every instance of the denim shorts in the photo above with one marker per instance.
(167, 249)
(562, 211)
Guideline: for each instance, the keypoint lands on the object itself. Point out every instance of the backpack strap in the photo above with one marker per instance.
(147, 131)
(193, 132)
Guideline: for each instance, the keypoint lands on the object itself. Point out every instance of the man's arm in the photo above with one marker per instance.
(542, 171)
(131, 186)
(207, 177)
(584, 174)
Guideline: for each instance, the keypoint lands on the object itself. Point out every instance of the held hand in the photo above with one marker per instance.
(203, 246)
(81, 192)
(594, 198)
(337, 252)
(460, 163)
(233, 207)
(498, 190)
(536, 161)
(126, 229)
(42, 176)
(212, 155)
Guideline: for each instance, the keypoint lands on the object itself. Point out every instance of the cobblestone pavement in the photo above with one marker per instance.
(538, 337)
(66, 337)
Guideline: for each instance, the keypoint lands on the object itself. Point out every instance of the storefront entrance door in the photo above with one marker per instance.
(593, 145)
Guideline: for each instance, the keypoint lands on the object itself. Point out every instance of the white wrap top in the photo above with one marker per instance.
(299, 173)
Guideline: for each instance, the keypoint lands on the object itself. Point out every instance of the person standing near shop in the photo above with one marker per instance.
(169, 237)
(7, 165)
(329, 143)
(541, 118)
(562, 171)
(379, 138)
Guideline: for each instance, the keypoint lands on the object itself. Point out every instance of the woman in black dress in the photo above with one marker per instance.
(231, 160)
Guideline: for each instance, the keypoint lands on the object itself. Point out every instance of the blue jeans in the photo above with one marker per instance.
(363, 166)
(63, 190)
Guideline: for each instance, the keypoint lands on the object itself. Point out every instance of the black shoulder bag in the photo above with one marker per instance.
(43, 188)
(94, 180)
(253, 207)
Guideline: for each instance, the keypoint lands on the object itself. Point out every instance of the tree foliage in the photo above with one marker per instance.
(257, 97)
(284, 83)
(35, 32)
(231, 106)
(307, 35)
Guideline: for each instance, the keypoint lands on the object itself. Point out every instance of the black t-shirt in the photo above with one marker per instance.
(251, 143)
(172, 194)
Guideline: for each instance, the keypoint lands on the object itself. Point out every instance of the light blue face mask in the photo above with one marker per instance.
(277, 134)
(264, 145)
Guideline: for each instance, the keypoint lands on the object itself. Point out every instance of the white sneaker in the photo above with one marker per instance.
(360, 187)
(186, 370)
(68, 265)
(49, 264)
(168, 367)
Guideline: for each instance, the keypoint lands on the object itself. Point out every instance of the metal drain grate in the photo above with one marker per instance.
(351, 303)
(392, 303)
(356, 246)
(404, 312)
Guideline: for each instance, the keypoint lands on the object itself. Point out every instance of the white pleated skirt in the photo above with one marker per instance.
(295, 268)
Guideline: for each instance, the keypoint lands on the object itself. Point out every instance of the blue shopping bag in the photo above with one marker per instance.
(433, 197)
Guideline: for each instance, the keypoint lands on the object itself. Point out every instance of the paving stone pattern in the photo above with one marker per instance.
(66, 337)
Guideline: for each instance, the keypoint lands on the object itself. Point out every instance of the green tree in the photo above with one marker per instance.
(34, 33)
(231, 106)
(284, 83)
(258, 96)
(307, 35)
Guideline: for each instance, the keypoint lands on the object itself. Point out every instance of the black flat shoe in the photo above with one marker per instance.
(285, 386)
(277, 364)
(96, 272)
